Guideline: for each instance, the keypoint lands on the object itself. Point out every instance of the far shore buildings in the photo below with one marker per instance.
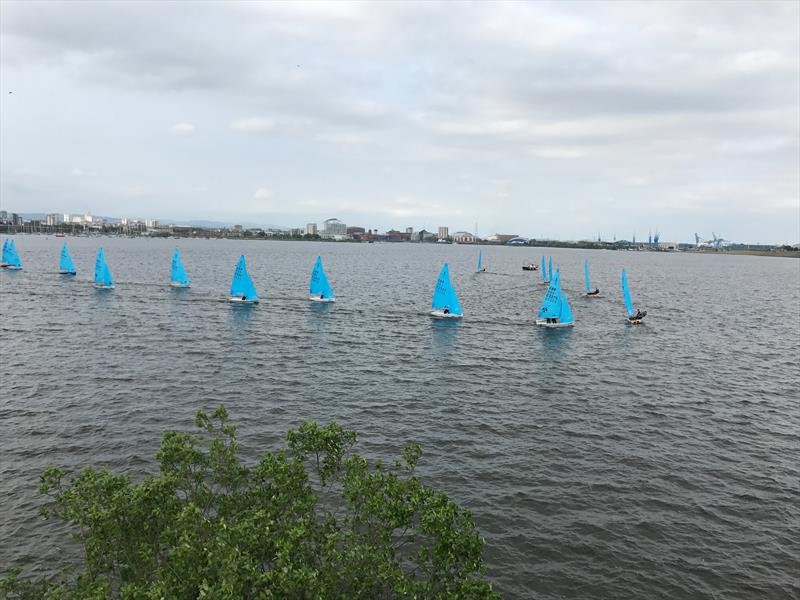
(464, 237)
(444, 233)
(333, 229)
(311, 229)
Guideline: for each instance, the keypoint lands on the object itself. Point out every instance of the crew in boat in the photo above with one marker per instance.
(638, 316)
(594, 293)
(322, 296)
(244, 298)
(446, 310)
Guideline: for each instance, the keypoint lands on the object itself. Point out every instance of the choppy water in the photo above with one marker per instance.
(606, 461)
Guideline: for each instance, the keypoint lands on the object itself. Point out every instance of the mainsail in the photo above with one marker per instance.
(586, 273)
(10, 256)
(242, 285)
(65, 264)
(319, 285)
(4, 259)
(626, 294)
(178, 275)
(480, 259)
(445, 296)
(550, 270)
(551, 305)
(102, 276)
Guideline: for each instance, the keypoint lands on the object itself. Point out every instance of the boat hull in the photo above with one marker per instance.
(438, 314)
(67, 273)
(177, 284)
(530, 268)
(238, 300)
(592, 295)
(633, 321)
(544, 283)
(318, 299)
(12, 268)
(544, 323)
(100, 286)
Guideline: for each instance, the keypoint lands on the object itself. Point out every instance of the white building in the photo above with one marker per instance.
(311, 229)
(333, 229)
(54, 219)
(463, 237)
(153, 224)
(444, 233)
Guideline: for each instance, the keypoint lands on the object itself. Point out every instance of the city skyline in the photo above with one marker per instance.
(570, 119)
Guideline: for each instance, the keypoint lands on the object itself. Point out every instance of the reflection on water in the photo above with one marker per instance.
(241, 315)
(556, 342)
(444, 332)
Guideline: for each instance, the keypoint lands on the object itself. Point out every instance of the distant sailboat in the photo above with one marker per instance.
(550, 270)
(178, 276)
(319, 289)
(65, 264)
(481, 268)
(10, 259)
(102, 276)
(590, 293)
(545, 279)
(634, 318)
(242, 289)
(445, 302)
(555, 310)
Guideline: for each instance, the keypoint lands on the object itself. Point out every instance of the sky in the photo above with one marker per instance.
(560, 120)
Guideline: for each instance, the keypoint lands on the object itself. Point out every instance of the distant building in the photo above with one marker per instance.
(311, 229)
(397, 236)
(464, 237)
(54, 219)
(331, 228)
(425, 236)
(517, 241)
(3, 216)
(67, 218)
(16, 219)
(237, 228)
(501, 238)
(153, 224)
(356, 231)
(444, 233)
(410, 232)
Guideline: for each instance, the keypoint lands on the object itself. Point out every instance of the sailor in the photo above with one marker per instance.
(446, 310)
(322, 296)
(244, 298)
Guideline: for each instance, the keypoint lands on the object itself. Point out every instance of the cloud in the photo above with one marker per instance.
(253, 125)
(182, 129)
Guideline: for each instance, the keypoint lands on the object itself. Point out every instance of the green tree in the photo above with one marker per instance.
(314, 520)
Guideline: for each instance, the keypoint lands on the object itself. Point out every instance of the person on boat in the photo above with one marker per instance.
(322, 296)
(244, 298)
(639, 315)
(446, 310)
(594, 293)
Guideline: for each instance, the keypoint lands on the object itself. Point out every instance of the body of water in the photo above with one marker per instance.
(604, 461)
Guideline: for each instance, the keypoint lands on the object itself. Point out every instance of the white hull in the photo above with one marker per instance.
(318, 299)
(438, 314)
(633, 321)
(100, 286)
(238, 300)
(544, 323)
(11, 268)
(593, 295)
(176, 284)
(67, 273)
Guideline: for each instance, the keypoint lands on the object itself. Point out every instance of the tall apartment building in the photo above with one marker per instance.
(444, 233)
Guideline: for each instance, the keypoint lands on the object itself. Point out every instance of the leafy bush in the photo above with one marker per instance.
(315, 520)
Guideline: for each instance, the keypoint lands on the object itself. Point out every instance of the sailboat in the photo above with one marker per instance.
(65, 264)
(178, 276)
(445, 302)
(102, 276)
(319, 289)
(550, 270)
(545, 278)
(555, 310)
(589, 292)
(634, 318)
(481, 268)
(242, 289)
(10, 259)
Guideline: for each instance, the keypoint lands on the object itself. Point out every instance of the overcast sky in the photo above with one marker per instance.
(560, 120)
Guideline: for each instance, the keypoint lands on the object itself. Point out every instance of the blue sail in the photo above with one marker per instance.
(544, 270)
(178, 274)
(65, 264)
(586, 273)
(566, 312)
(319, 285)
(102, 276)
(444, 296)
(551, 305)
(4, 258)
(12, 258)
(550, 270)
(480, 259)
(242, 285)
(626, 294)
